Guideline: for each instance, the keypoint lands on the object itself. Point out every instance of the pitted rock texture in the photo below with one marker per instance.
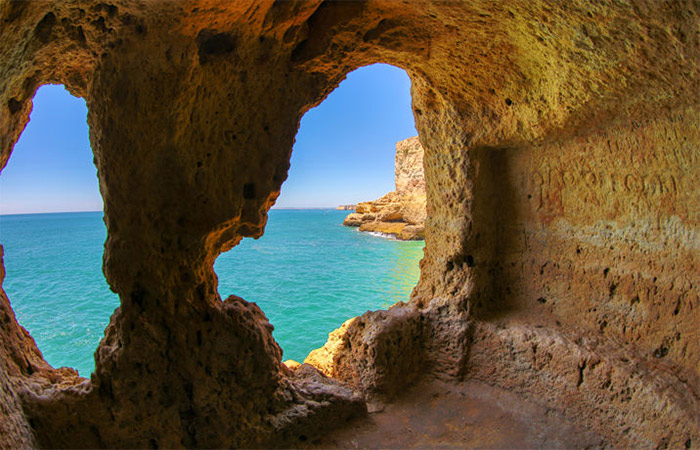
(310, 393)
(400, 213)
(379, 353)
(583, 375)
(561, 162)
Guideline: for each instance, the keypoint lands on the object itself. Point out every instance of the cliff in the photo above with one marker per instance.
(402, 212)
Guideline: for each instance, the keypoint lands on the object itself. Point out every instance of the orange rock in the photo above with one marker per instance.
(400, 213)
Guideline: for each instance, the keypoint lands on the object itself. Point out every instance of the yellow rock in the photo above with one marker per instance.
(406, 205)
(291, 364)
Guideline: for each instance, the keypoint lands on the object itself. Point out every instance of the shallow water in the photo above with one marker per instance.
(308, 273)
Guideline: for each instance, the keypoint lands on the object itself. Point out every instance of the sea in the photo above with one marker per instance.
(308, 273)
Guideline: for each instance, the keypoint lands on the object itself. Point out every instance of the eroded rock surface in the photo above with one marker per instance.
(561, 163)
(400, 213)
(379, 353)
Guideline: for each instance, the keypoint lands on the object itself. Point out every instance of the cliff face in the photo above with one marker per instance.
(561, 163)
(402, 212)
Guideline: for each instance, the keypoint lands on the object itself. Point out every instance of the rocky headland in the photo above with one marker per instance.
(400, 213)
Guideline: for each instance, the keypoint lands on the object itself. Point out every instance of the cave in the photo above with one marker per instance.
(561, 147)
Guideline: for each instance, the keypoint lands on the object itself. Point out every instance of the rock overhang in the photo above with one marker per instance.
(560, 140)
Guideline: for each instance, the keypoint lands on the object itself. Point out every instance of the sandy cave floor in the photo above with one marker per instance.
(472, 414)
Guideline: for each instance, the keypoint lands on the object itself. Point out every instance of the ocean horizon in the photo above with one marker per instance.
(308, 273)
(100, 211)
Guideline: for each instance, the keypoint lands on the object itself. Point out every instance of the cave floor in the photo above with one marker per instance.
(438, 414)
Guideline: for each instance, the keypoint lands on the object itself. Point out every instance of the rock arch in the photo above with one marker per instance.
(193, 109)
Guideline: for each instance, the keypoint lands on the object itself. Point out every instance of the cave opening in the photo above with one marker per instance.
(52, 232)
(308, 272)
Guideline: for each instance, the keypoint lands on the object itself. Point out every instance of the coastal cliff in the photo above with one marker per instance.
(402, 212)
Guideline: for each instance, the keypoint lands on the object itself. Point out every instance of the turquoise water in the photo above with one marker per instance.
(308, 273)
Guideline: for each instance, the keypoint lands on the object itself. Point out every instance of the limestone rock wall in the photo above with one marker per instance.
(560, 153)
(378, 353)
(401, 212)
(409, 176)
(610, 227)
(603, 241)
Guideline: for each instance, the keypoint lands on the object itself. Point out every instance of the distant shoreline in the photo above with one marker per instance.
(49, 212)
(302, 207)
(316, 208)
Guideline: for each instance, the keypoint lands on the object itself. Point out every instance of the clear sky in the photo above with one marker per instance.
(344, 150)
(51, 167)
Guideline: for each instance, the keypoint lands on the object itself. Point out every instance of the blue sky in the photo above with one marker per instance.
(344, 150)
(51, 167)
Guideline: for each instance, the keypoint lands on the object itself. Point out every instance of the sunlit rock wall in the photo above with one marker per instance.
(561, 149)
(595, 238)
(402, 212)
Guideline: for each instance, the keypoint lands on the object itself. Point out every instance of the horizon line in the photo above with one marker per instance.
(99, 210)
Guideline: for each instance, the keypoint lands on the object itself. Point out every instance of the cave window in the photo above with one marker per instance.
(308, 272)
(53, 234)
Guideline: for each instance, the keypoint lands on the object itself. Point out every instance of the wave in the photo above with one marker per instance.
(379, 234)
